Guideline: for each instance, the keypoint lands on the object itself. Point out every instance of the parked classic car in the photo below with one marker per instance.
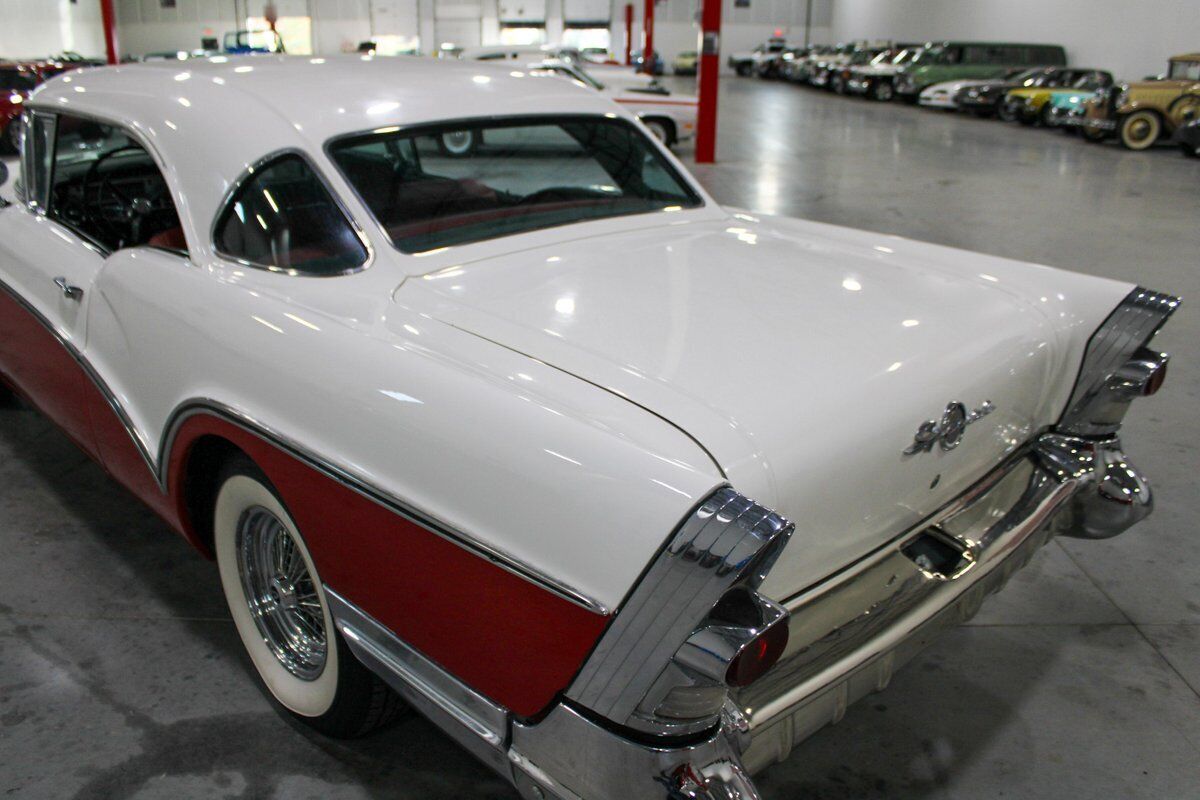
(685, 63)
(1187, 136)
(946, 95)
(671, 117)
(839, 77)
(798, 62)
(948, 61)
(1143, 113)
(745, 63)
(876, 79)
(1034, 101)
(17, 80)
(607, 73)
(468, 426)
(991, 97)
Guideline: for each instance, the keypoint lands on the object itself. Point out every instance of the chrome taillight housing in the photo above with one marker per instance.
(694, 626)
(1118, 366)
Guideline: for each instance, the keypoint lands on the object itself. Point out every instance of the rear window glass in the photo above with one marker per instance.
(283, 218)
(451, 184)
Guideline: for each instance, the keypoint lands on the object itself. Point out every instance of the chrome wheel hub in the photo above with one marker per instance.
(281, 594)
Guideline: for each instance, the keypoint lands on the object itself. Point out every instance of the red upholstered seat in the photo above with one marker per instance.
(170, 239)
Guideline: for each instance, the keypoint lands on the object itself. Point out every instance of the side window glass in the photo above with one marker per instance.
(107, 188)
(284, 219)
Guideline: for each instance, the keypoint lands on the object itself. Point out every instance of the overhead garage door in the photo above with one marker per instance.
(460, 23)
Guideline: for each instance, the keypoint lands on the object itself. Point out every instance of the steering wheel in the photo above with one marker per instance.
(113, 212)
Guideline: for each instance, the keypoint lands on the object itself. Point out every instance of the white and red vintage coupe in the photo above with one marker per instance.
(501, 427)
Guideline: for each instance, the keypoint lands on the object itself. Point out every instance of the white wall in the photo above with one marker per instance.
(1132, 39)
(676, 29)
(144, 26)
(34, 28)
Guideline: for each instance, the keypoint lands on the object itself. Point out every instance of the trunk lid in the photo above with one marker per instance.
(802, 357)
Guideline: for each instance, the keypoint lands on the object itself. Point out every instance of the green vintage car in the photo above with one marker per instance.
(952, 61)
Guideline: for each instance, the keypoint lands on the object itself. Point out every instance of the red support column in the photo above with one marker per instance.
(110, 30)
(648, 38)
(708, 80)
(628, 34)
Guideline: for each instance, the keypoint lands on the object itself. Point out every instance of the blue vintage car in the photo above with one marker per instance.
(242, 42)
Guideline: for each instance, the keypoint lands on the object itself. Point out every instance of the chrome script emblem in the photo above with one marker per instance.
(949, 430)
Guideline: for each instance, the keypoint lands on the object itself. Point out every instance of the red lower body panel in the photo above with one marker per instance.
(503, 636)
(500, 634)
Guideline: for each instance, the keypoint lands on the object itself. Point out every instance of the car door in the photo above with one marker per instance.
(93, 194)
(46, 270)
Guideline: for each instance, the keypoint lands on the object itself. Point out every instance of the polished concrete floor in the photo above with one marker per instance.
(121, 675)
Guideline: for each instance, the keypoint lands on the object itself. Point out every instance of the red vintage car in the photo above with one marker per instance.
(18, 79)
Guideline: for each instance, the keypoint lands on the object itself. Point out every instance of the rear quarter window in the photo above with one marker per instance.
(283, 218)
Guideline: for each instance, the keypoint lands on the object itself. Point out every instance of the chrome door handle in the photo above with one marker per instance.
(70, 292)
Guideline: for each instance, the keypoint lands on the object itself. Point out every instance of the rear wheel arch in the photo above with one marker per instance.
(668, 126)
(197, 482)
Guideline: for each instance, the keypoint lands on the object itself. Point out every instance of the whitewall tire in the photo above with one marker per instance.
(282, 616)
(661, 131)
(1140, 130)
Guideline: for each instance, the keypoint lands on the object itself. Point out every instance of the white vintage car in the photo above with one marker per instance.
(518, 432)
(611, 74)
(669, 116)
(941, 95)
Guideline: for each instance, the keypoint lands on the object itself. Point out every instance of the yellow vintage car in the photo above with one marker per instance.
(1142, 113)
(1030, 104)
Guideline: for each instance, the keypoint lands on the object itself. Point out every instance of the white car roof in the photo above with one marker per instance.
(207, 120)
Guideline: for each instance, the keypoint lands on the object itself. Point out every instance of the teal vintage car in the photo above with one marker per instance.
(1065, 104)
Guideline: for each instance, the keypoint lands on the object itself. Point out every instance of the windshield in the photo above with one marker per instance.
(1091, 80)
(449, 184)
(1185, 71)
(13, 81)
(930, 55)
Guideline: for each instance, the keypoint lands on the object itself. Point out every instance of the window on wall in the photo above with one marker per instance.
(522, 35)
(295, 32)
(588, 39)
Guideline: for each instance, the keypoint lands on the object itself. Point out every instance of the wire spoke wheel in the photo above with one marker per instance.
(281, 593)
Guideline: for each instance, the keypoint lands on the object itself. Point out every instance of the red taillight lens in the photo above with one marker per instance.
(1155, 381)
(758, 656)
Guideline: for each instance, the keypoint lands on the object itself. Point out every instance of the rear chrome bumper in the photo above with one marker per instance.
(848, 635)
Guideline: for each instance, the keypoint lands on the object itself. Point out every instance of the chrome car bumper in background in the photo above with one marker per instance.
(938, 100)
(847, 637)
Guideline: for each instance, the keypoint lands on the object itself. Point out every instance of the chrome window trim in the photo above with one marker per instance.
(247, 174)
(159, 465)
(683, 178)
(131, 134)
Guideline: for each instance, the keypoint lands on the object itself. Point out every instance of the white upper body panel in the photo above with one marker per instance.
(803, 357)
